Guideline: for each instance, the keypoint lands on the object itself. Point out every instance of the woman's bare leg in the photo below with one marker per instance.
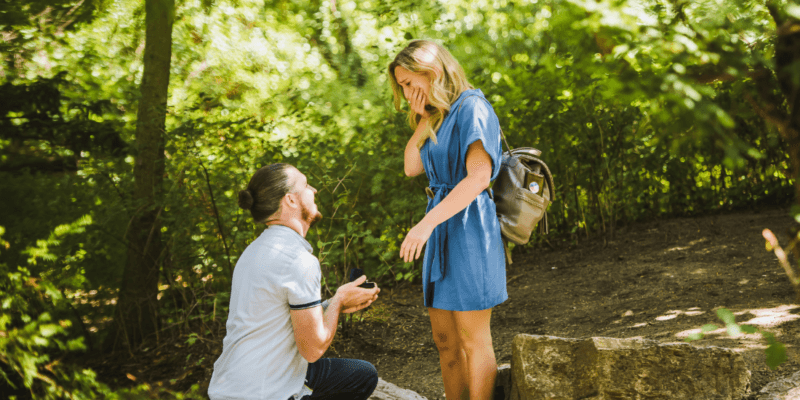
(475, 337)
(452, 357)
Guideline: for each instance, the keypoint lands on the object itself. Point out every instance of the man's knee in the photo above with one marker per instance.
(369, 374)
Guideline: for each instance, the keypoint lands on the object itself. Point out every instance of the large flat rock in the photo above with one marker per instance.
(782, 389)
(553, 368)
(390, 391)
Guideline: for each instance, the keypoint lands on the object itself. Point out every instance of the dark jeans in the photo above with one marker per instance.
(341, 379)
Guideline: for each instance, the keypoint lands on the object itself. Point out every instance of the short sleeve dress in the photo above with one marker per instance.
(464, 265)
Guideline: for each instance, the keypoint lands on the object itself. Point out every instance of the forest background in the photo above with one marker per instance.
(121, 158)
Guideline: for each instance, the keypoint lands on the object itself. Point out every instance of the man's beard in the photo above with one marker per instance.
(305, 213)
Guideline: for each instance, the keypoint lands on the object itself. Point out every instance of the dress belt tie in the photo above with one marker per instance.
(438, 261)
(433, 188)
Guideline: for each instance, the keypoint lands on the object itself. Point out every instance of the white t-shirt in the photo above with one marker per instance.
(259, 360)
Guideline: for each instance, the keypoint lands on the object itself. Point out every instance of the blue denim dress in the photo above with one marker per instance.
(464, 265)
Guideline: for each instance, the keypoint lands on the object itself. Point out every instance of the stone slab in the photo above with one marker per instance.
(390, 391)
(553, 368)
(782, 389)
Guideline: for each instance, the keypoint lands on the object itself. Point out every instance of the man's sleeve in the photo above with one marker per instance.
(303, 287)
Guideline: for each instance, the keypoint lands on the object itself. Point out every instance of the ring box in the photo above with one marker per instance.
(356, 273)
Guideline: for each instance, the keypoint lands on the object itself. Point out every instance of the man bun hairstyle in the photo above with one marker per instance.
(245, 199)
(265, 191)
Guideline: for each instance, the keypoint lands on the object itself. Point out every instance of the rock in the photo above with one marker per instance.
(388, 391)
(782, 389)
(547, 367)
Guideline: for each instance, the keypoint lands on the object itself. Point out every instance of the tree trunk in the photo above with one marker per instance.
(136, 316)
(787, 57)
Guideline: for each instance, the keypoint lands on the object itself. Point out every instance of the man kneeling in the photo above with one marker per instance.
(278, 326)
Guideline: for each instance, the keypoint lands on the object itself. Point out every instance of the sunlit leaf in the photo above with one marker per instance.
(726, 316)
(708, 328)
(733, 329)
(694, 336)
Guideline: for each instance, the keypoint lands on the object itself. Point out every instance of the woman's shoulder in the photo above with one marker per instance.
(469, 96)
(473, 101)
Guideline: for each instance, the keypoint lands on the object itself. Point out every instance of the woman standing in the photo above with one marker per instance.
(456, 142)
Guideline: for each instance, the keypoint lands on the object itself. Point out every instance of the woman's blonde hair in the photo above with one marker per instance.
(447, 83)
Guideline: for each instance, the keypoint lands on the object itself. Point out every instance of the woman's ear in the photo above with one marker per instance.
(432, 75)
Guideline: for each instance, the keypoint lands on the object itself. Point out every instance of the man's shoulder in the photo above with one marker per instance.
(306, 263)
(282, 252)
(281, 245)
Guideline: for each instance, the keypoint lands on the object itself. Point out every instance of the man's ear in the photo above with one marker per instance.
(290, 200)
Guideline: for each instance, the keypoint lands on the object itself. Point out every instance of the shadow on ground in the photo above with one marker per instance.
(660, 280)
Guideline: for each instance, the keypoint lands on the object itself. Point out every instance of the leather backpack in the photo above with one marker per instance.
(523, 190)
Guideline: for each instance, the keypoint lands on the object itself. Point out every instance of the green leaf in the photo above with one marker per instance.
(776, 355)
(76, 344)
(726, 316)
(748, 329)
(694, 336)
(40, 341)
(725, 119)
(708, 328)
(48, 330)
(192, 338)
(733, 329)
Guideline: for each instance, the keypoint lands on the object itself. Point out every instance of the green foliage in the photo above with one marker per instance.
(36, 333)
(642, 109)
(775, 351)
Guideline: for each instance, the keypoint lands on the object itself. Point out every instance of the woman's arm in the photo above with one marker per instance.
(412, 161)
(479, 173)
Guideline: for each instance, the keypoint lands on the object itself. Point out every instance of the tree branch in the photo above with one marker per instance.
(219, 221)
(783, 260)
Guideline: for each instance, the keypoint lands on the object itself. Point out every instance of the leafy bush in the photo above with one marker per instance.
(36, 334)
(642, 109)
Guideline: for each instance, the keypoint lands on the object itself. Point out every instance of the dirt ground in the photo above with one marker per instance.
(657, 280)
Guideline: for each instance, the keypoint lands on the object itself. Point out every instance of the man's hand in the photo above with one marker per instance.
(314, 329)
(353, 298)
